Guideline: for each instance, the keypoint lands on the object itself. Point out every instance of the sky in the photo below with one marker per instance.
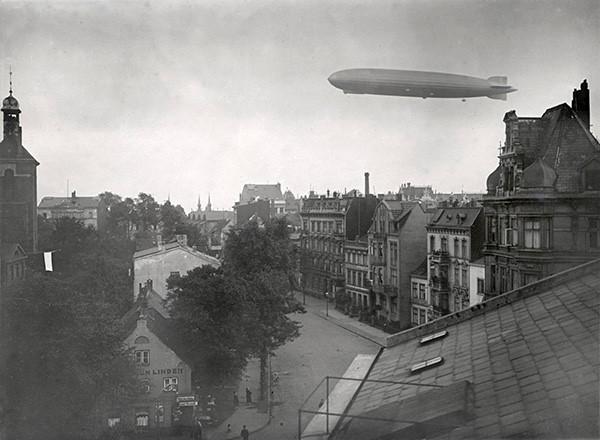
(184, 99)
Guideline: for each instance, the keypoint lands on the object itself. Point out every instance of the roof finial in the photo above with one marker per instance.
(10, 76)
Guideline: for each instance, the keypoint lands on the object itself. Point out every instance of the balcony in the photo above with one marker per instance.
(440, 257)
(377, 260)
(439, 283)
(378, 288)
(391, 291)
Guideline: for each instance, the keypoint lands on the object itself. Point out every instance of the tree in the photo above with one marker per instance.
(170, 218)
(266, 259)
(61, 360)
(209, 309)
(97, 266)
(147, 211)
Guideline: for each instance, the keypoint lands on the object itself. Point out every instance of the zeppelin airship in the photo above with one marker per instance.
(419, 84)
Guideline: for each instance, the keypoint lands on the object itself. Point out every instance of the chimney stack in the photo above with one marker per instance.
(366, 184)
(581, 103)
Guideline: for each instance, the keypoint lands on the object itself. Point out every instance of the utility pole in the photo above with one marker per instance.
(269, 401)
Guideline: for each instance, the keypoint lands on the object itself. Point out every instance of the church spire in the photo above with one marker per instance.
(10, 108)
(199, 203)
(209, 206)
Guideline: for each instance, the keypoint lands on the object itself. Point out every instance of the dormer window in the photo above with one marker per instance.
(591, 176)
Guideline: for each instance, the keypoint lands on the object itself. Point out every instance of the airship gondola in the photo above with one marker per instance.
(419, 84)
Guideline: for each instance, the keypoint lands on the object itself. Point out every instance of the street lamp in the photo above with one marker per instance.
(327, 304)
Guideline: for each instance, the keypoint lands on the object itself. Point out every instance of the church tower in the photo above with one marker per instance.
(18, 182)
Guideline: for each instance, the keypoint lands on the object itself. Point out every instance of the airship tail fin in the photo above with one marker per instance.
(498, 79)
(501, 96)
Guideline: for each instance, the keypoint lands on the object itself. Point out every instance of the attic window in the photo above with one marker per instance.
(434, 336)
(417, 368)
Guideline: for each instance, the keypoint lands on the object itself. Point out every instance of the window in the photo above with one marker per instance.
(456, 254)
(532, 233)
(142, 419)
(594, 232)
(175, 274)
(431, 243)
(142, 357)
(141, 340)
(170, 383)
(145, 385)
(393, 254)
(512, 232)
(113, 421)
(456, 276)
(480, 285)
(415, 288)
(421, 291)
(444, 244)
(457, 303)
(464, 252)
(465, 278)
(415, 316)
(422, 316)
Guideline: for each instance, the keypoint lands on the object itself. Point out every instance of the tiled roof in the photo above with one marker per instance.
(455, 217)
(531, 357)
(399, 208)
(252, 192)
(68, 202)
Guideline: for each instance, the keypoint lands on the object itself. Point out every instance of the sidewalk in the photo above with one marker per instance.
(245, 414)
(318, 307)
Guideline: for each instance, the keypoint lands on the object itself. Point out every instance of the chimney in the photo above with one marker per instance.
(182, 239)
(581, 103)
(366, 184)
(73, 197)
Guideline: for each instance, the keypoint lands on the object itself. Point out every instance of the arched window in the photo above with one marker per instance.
(141, 340)
(8, 185)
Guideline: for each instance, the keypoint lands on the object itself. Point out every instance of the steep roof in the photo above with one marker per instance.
(455, 217)
(12, 252)
(169, 247)
(252, 192)
(526, 364)
(399, 208)
(538, 175)
(69, 202)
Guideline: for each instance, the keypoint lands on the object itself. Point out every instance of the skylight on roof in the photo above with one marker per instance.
(426, 364)
(434, 336)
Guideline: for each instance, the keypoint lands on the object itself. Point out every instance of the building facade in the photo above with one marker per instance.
(91, 211)
(158, 263)
(541, 207)
(421, 309)
(358, 284)
(166, 398)
(327, 222)
(455, 239)
(397, 246)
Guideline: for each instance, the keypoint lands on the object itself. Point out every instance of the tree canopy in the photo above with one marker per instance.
(60, 359)
(241, 310)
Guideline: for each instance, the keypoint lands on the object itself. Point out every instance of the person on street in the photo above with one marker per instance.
(245, 433)
(236, 399)
(196, 431)
(248, 395)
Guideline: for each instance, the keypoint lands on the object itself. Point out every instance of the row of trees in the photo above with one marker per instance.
(242, 309)
(138, 217)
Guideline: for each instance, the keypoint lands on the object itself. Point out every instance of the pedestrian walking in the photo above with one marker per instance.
(196, 433)
(236, 399)
(248, 395)
(245, 433)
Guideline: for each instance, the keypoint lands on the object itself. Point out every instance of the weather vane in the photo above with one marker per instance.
(10, 79)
